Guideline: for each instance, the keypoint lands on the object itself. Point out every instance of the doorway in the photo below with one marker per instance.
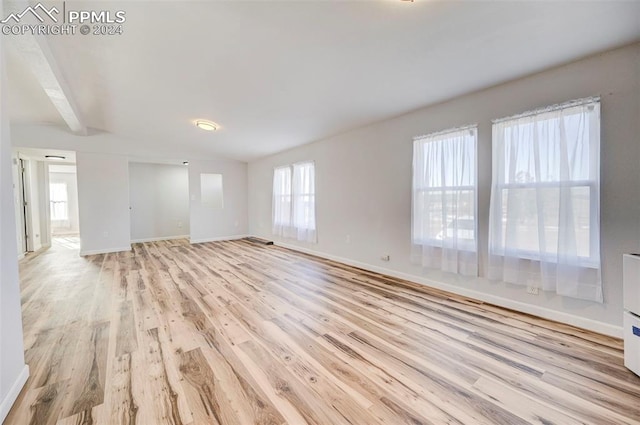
(63, 205)
(35, 199)
(27, 180)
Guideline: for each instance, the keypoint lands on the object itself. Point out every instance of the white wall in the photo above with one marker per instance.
(70, 178)
(159, 199)
(208, 223)
(103, 201)
(13, 370)
(363, 183)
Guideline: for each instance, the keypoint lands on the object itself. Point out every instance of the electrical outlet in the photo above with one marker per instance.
(533, 290)
(105, 234)
(180, 224)
(347, 239)
(385, 257)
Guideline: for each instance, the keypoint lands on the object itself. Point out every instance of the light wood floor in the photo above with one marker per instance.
(66, 241)
(237, 333)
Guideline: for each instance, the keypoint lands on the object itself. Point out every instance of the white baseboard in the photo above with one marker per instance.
(218, 239)
(161, 238)
(558, 316)
(20, 257)
(104, 251)
(14, 392)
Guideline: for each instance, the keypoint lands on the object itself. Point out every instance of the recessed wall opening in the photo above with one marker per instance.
(159, 201)
(211, 193)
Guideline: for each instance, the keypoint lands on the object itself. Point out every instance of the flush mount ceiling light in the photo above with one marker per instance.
(206, 125)
(56, 157)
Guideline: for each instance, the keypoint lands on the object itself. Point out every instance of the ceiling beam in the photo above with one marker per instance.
(36, 54)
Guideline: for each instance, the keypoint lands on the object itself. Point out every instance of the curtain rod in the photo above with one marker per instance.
(449, 130)
(557, 106)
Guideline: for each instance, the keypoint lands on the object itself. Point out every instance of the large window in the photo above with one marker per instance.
(59, 203)
(294, 211)
(444, 201)
(544, 228)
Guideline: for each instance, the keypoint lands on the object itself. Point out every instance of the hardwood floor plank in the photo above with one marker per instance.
(159, 401)
(599, 392)
(122, 403)
(315, 410)
(127, 339)
(524, 407)
(203, 390)
(86, 389)
(395, 405)
(303, 366)
(48, 368)
(227, 338)
(147, 317)
(234, 333)
(46, 404)
(245, 400)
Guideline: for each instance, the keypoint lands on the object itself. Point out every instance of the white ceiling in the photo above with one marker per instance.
(275, 75)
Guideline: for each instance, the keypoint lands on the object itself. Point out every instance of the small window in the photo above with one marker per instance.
(294, 204)
(59, 203)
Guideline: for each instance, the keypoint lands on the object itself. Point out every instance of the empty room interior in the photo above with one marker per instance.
(320, 212)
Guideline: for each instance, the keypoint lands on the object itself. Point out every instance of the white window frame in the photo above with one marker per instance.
(291, 229)
(593, 260)
(424, 189)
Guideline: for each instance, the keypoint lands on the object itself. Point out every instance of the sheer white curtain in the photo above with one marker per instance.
(544, 219)
(294, 207)
(282, 202)
(444, 201)
(304, 201)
